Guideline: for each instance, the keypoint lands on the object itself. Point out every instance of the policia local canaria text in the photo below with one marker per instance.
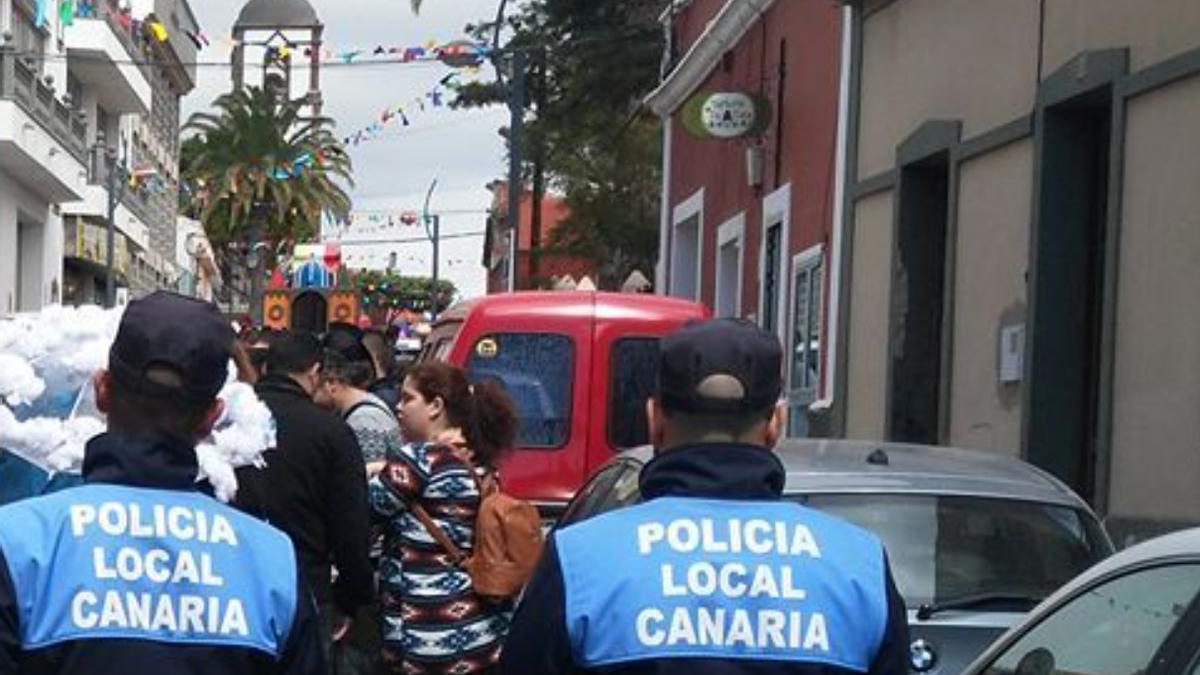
(174, 566)
(711, 623)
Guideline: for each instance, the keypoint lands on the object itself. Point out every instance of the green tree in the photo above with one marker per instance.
(587, 134)
(254, 156)
(383, 290)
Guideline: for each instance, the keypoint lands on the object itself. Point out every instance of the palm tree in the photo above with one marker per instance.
(256, 157)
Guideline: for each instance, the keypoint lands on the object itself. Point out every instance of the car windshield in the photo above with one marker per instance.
(944, 549)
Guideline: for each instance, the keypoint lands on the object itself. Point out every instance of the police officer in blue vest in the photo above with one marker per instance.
(713, 572)
(137, 570)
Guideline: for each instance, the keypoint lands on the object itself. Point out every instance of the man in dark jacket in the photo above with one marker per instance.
(137, 571)
(713, 573)
(314, 484)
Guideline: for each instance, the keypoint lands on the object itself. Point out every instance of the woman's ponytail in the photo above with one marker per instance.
(495, 421)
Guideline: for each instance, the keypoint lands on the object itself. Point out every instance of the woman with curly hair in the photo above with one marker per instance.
(433, 621)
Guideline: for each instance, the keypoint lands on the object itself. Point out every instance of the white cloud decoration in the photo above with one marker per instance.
(47, 411)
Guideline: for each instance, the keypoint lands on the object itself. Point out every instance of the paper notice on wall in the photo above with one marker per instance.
(1012, 353)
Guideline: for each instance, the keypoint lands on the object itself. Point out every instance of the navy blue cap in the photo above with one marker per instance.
(168, 330)
(721, 366)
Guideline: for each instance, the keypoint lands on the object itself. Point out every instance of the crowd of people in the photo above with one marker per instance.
(345, 410)
(344, 549)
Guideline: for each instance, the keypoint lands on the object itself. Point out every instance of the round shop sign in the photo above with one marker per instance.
(728, 115)
(725, 115)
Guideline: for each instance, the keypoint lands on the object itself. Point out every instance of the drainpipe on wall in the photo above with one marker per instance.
(824, 404)
(664, 224)
(664, 227)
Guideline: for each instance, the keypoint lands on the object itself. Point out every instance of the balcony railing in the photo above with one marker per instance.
(19, 82)
(135, 45)
(136, 202)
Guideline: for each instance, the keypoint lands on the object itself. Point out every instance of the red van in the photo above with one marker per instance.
(579, 366)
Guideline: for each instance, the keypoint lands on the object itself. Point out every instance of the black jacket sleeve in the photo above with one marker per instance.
(892, 657)
(348, 521)
(304, 653)
(537, 642)
(10, 629)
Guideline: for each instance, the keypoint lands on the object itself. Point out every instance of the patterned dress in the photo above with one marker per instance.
(433, 622)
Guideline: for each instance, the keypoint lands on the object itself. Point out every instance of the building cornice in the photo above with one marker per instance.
(722, 33)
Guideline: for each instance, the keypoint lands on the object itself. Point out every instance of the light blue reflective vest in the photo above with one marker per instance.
(682, 577)
(107, 561)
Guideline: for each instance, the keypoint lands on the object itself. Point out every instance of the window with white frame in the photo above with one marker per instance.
(807, 281)
(772, 254)
(686, 240)
(805, 340)
(727, 296)
(772, 261)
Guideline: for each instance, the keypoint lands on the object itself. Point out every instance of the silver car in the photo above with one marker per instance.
(975, 539)
(1136, 612)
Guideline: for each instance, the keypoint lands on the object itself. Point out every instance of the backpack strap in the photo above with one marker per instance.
(484, 487)
(366, 403)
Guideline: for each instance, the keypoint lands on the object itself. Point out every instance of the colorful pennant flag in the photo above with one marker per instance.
(158, 30)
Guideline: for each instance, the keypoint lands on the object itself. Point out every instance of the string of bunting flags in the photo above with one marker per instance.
(438, 96)
(369, 223)
(380, 260)
(457, 53)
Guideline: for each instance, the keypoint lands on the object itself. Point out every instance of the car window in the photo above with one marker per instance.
(580, 508)
(633, 375)
(1112, 629)
(947, 548)
(624, 490)
(536, 370)
(442, 351)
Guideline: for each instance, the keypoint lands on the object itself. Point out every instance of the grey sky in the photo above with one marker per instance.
(461, 149)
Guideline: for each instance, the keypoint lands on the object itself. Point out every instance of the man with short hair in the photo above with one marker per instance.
(347, 375)
(136, 570)
(314, 483)
(714, 572)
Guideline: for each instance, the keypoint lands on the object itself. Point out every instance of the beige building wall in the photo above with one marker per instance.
(1153, 30)
(1156, 389)
(974, 60)
(870, 292)
(992, 253)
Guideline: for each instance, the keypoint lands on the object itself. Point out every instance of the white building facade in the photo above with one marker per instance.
(43, 156)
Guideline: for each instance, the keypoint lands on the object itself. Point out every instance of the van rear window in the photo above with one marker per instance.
(536, 369)
(633, 375)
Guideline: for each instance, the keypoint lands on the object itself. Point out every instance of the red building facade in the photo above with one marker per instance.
(498, 244)
(747, 221)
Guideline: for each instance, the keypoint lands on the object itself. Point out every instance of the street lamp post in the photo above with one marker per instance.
(116, 181)
(516, 125)
(433, 223)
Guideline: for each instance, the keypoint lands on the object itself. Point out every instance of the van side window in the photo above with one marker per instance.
(537, 371)
(633, 376)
